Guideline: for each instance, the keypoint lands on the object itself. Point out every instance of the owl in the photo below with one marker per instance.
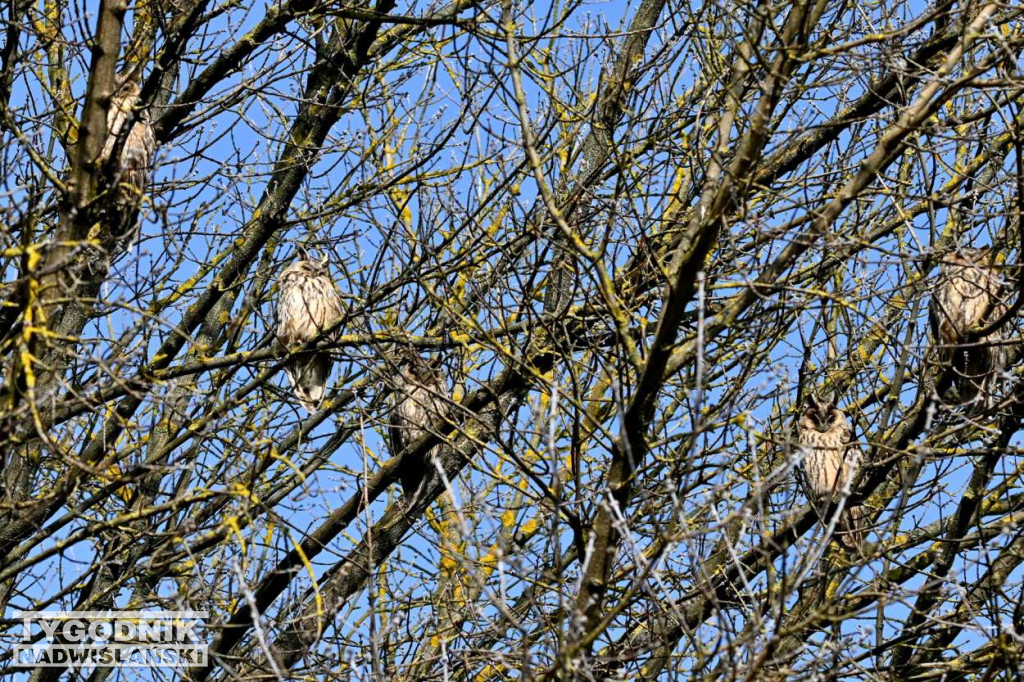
(136, 162)
(968, 295)
(831, 460)
(419, 399)
(308, 304)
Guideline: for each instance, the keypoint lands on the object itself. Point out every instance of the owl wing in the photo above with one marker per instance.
(854, 520)
(336, 307)
(852, 459)
(946, 309)
(397, 423)
(439, 408)
(852, 454)
(281, 317)
(1000, 353)
(116, 115)
(137, 155)
(933, 316)
(999, 298)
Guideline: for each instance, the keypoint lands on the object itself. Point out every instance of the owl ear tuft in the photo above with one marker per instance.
(812, 402)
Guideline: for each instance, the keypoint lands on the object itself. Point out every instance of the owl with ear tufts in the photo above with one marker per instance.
(419, 400)
(136, 160)
(969, 294)
(831, 460)
(309, 303)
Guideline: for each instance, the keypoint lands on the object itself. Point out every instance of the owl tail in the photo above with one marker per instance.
(850, 531)
(308, 373)
(416, 476)
(975, 370)
(412, 478)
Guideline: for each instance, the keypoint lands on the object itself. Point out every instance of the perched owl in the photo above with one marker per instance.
(308, 304)
(968, 295)
(831, 460)
(132, 173)
(419, 400)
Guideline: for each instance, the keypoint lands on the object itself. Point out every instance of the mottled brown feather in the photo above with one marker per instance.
(831, 460)
(139, 150)
(309, 303)
(968, 294)
(418, 401)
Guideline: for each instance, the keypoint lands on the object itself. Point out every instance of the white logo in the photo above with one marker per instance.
(106, 639)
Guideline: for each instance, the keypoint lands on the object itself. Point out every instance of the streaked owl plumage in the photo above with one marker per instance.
(139, 150)
(969, 294)
(308, 304)
(418, 401)
(831, 460)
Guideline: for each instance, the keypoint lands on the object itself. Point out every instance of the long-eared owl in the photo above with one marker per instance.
(308, 304)
(831, 460)
(139, 150)
(419, 400)
(969, 294)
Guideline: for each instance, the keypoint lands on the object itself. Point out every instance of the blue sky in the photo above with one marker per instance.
(208, 184)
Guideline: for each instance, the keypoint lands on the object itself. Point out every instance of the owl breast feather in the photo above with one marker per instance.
(305, 313)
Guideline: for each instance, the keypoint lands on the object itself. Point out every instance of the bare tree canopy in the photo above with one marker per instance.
(593, 277)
